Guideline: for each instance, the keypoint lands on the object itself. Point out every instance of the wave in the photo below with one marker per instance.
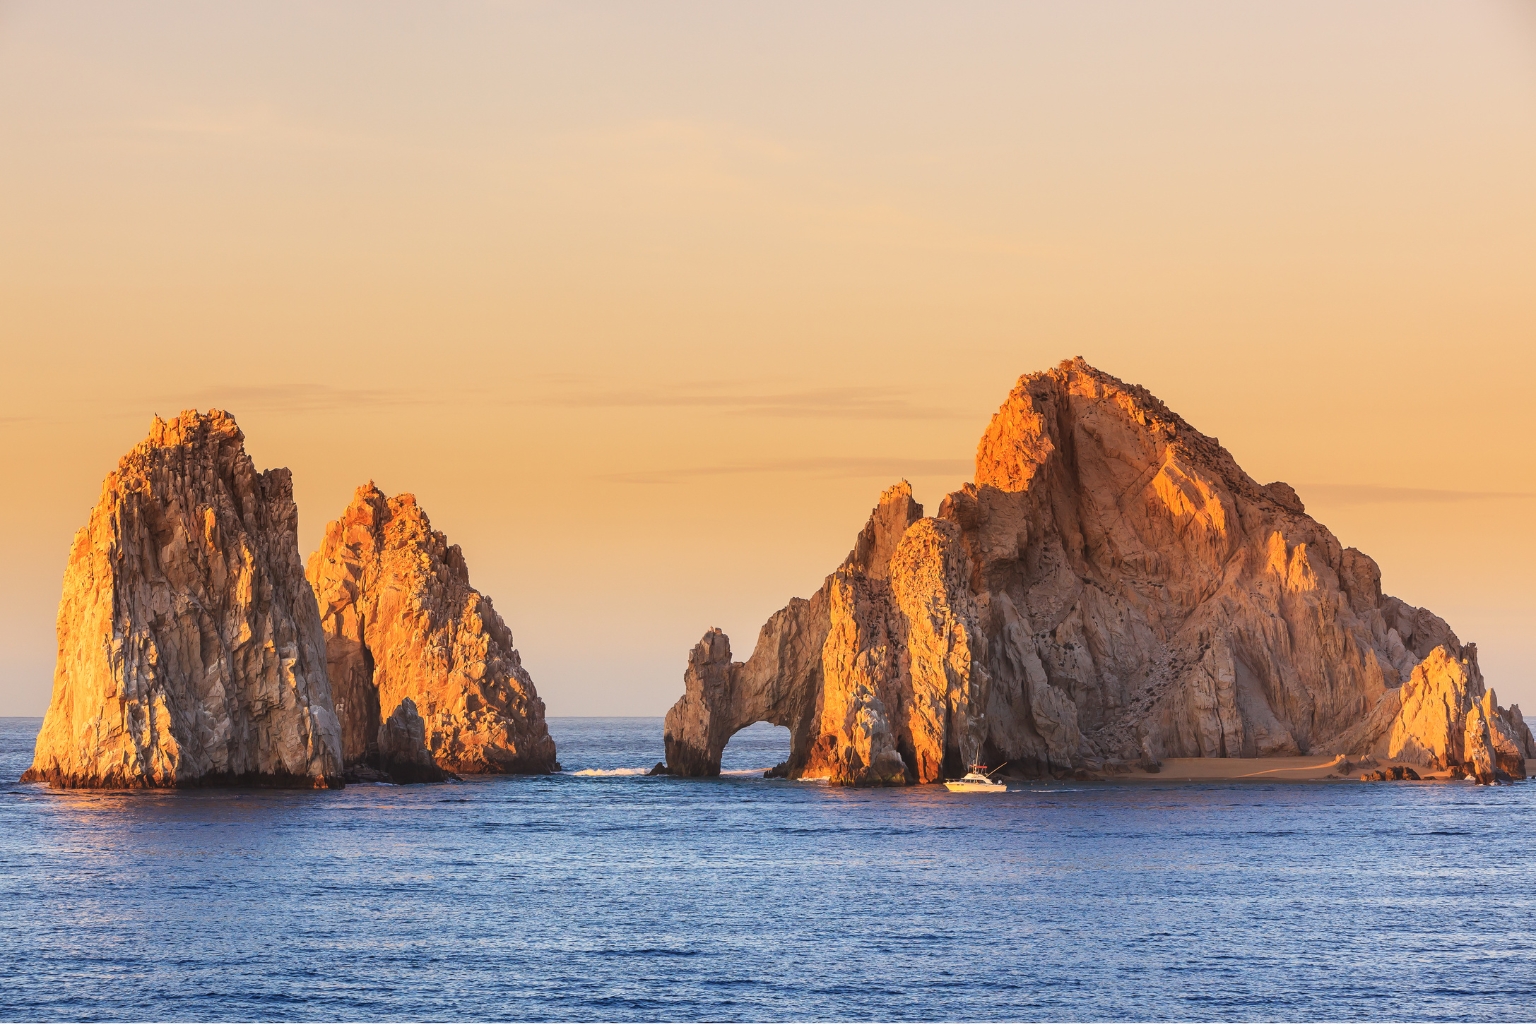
(643, 771)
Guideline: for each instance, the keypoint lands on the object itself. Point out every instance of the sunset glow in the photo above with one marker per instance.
(647, 304)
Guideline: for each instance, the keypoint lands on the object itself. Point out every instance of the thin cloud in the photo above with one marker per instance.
(720, 398)
(303, 398)
(821, 468)
(845, 403)
(1372, 494)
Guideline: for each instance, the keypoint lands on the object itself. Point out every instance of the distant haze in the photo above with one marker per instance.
(646, 303)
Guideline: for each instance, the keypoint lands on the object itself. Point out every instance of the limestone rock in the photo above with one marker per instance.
(1112, 587)
(190, 651)
(402, 623)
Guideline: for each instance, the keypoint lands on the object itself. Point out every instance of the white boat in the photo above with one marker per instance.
(975, 782)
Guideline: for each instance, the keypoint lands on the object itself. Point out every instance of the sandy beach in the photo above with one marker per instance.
(1298, 769)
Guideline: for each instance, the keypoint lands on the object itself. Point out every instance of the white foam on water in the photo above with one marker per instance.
(610, 772)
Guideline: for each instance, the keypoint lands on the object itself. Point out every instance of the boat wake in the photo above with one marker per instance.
(644, 771)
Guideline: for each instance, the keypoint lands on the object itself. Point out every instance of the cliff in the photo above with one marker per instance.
(1111, 588)
(402, 626)
(190, 650)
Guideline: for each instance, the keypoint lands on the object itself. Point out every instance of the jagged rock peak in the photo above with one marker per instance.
(402, 623)
(896, 511)
(190, 652)
(1112, 587)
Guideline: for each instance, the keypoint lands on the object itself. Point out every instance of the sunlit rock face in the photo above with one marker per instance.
(867, 674)
(190, 651)
(1111, 587)
(402, 623)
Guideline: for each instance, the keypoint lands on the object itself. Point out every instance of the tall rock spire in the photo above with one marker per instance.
(190, 650)
(402, 623)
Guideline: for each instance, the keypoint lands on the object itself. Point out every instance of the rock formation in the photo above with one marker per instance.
(1111, 588)
(403, 626)
(190, 651)
(402, 747)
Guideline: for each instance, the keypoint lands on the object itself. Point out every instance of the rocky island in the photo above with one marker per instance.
(192, 650)
(1112, 589)
(409, 640)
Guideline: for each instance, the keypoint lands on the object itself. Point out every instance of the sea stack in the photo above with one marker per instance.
(403, 626)
(1112, 588)
(190, 649)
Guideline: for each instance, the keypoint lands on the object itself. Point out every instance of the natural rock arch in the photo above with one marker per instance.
(868, 674)
(1112, 588)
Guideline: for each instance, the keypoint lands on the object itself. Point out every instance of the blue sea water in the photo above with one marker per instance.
(622, 897)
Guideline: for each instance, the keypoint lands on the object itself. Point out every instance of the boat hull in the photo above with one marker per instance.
(961, 786)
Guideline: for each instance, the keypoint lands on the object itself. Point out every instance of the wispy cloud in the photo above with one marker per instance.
(821, 468)
(1372, 494)
(732, 399)
(721, 397)
(300, 398)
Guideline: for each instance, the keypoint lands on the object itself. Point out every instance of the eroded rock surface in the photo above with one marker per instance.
(873, 675)
(1111, 588)
(190, 650)
(402, 623)
(402, 751)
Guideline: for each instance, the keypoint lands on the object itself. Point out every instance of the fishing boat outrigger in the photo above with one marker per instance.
(978, 780)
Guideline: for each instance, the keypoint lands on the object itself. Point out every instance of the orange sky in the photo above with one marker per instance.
(647, 303)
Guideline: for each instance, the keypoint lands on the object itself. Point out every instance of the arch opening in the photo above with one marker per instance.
(755, 748)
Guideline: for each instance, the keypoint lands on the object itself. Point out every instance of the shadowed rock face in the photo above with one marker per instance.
(1112, 586)
(190, 651)
(402, 624)
(402, 747)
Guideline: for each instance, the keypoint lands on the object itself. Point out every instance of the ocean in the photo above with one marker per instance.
(601, 894)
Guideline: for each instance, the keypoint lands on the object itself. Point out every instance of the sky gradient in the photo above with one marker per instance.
(647, 303)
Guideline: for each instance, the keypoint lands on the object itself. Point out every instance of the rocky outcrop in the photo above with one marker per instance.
(873, 675)
(1395, 772)
(190, 651)
(402, 750)
(1443, 717)
(1111, 588)
(402, 624)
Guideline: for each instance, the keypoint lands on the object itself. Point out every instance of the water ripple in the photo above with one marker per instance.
(614, 896)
